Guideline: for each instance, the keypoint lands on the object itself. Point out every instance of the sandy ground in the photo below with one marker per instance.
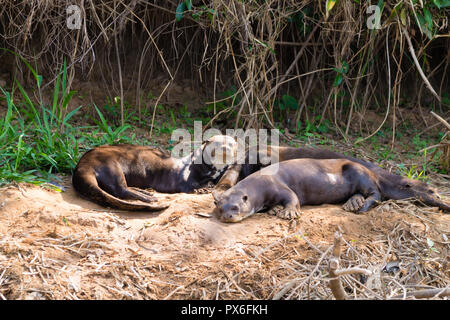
(56, 245)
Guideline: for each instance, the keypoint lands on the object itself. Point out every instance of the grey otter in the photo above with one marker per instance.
(111, 175)
(391, 186)
(287, 185)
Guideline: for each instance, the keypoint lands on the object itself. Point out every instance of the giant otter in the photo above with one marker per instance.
(392, 186)
(297, 182)
(111, 175)
(287, 185)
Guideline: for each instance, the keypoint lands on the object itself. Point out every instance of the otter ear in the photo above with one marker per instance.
(211, 139)
(245, 198)
(216, 196)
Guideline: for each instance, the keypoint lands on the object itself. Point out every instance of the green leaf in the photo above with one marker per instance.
(424, 26)
(56, 94)
(67, 98)
(34, 116)
(181, 8)
(345, 67)
(338, 80)
(428, 18)
(359, 140)
(265, 45)
(330, 4)
(103, 124)
(68, 116)
(64, 219)
(441, 3)
(39, 80)
(36, 76)
(403, 16)
(289, 102)
(395, 11)
(188, 4)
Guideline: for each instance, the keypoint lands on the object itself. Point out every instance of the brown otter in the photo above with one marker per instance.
(392, 186)
(287, 185)
(111, 175)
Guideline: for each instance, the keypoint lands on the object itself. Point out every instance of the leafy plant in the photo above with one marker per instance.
(112, 136)
(288, 102)
(340, 73)
(37, 140)
(182, 7)
(431, 247)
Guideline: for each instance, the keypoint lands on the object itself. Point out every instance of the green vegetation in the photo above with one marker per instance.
(38, 140)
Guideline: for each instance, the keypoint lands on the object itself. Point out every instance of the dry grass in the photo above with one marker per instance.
(264, 48)
(402, 260)
(255, 46)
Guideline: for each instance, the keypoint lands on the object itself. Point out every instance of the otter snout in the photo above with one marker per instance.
(230, 213)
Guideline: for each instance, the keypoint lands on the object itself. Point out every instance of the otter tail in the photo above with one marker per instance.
(436, 203)
(86, 184)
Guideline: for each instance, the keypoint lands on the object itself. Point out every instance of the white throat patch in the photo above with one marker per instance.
(332, 178)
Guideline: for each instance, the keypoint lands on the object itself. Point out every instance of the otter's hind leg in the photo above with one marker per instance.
(112, 180)
(131, 193)
(145, 192)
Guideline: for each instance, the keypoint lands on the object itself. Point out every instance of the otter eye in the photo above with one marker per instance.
(245, 198)
(407, 185)
(215, 202)
(430, 191)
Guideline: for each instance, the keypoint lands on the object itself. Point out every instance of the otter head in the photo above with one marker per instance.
(418, 189)
(233, 205)
(219, 151)
(423, 192)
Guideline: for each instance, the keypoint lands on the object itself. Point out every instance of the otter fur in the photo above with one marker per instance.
(392, 186)
(111, 175)
(284, 187)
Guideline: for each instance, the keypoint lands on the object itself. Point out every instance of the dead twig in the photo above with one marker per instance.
(333, 264)
(423, 294)
(419, 68)
(333, 267)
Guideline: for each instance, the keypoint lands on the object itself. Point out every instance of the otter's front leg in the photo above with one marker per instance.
(358, 204)
(371, 197)
(355, 203)
(229, 178)
(288, 207)
(371, 201)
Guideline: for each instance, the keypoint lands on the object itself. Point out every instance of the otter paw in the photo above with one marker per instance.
(202, 191)
(275, 210)
(284, 213)
(354, 204)
(288, 213)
